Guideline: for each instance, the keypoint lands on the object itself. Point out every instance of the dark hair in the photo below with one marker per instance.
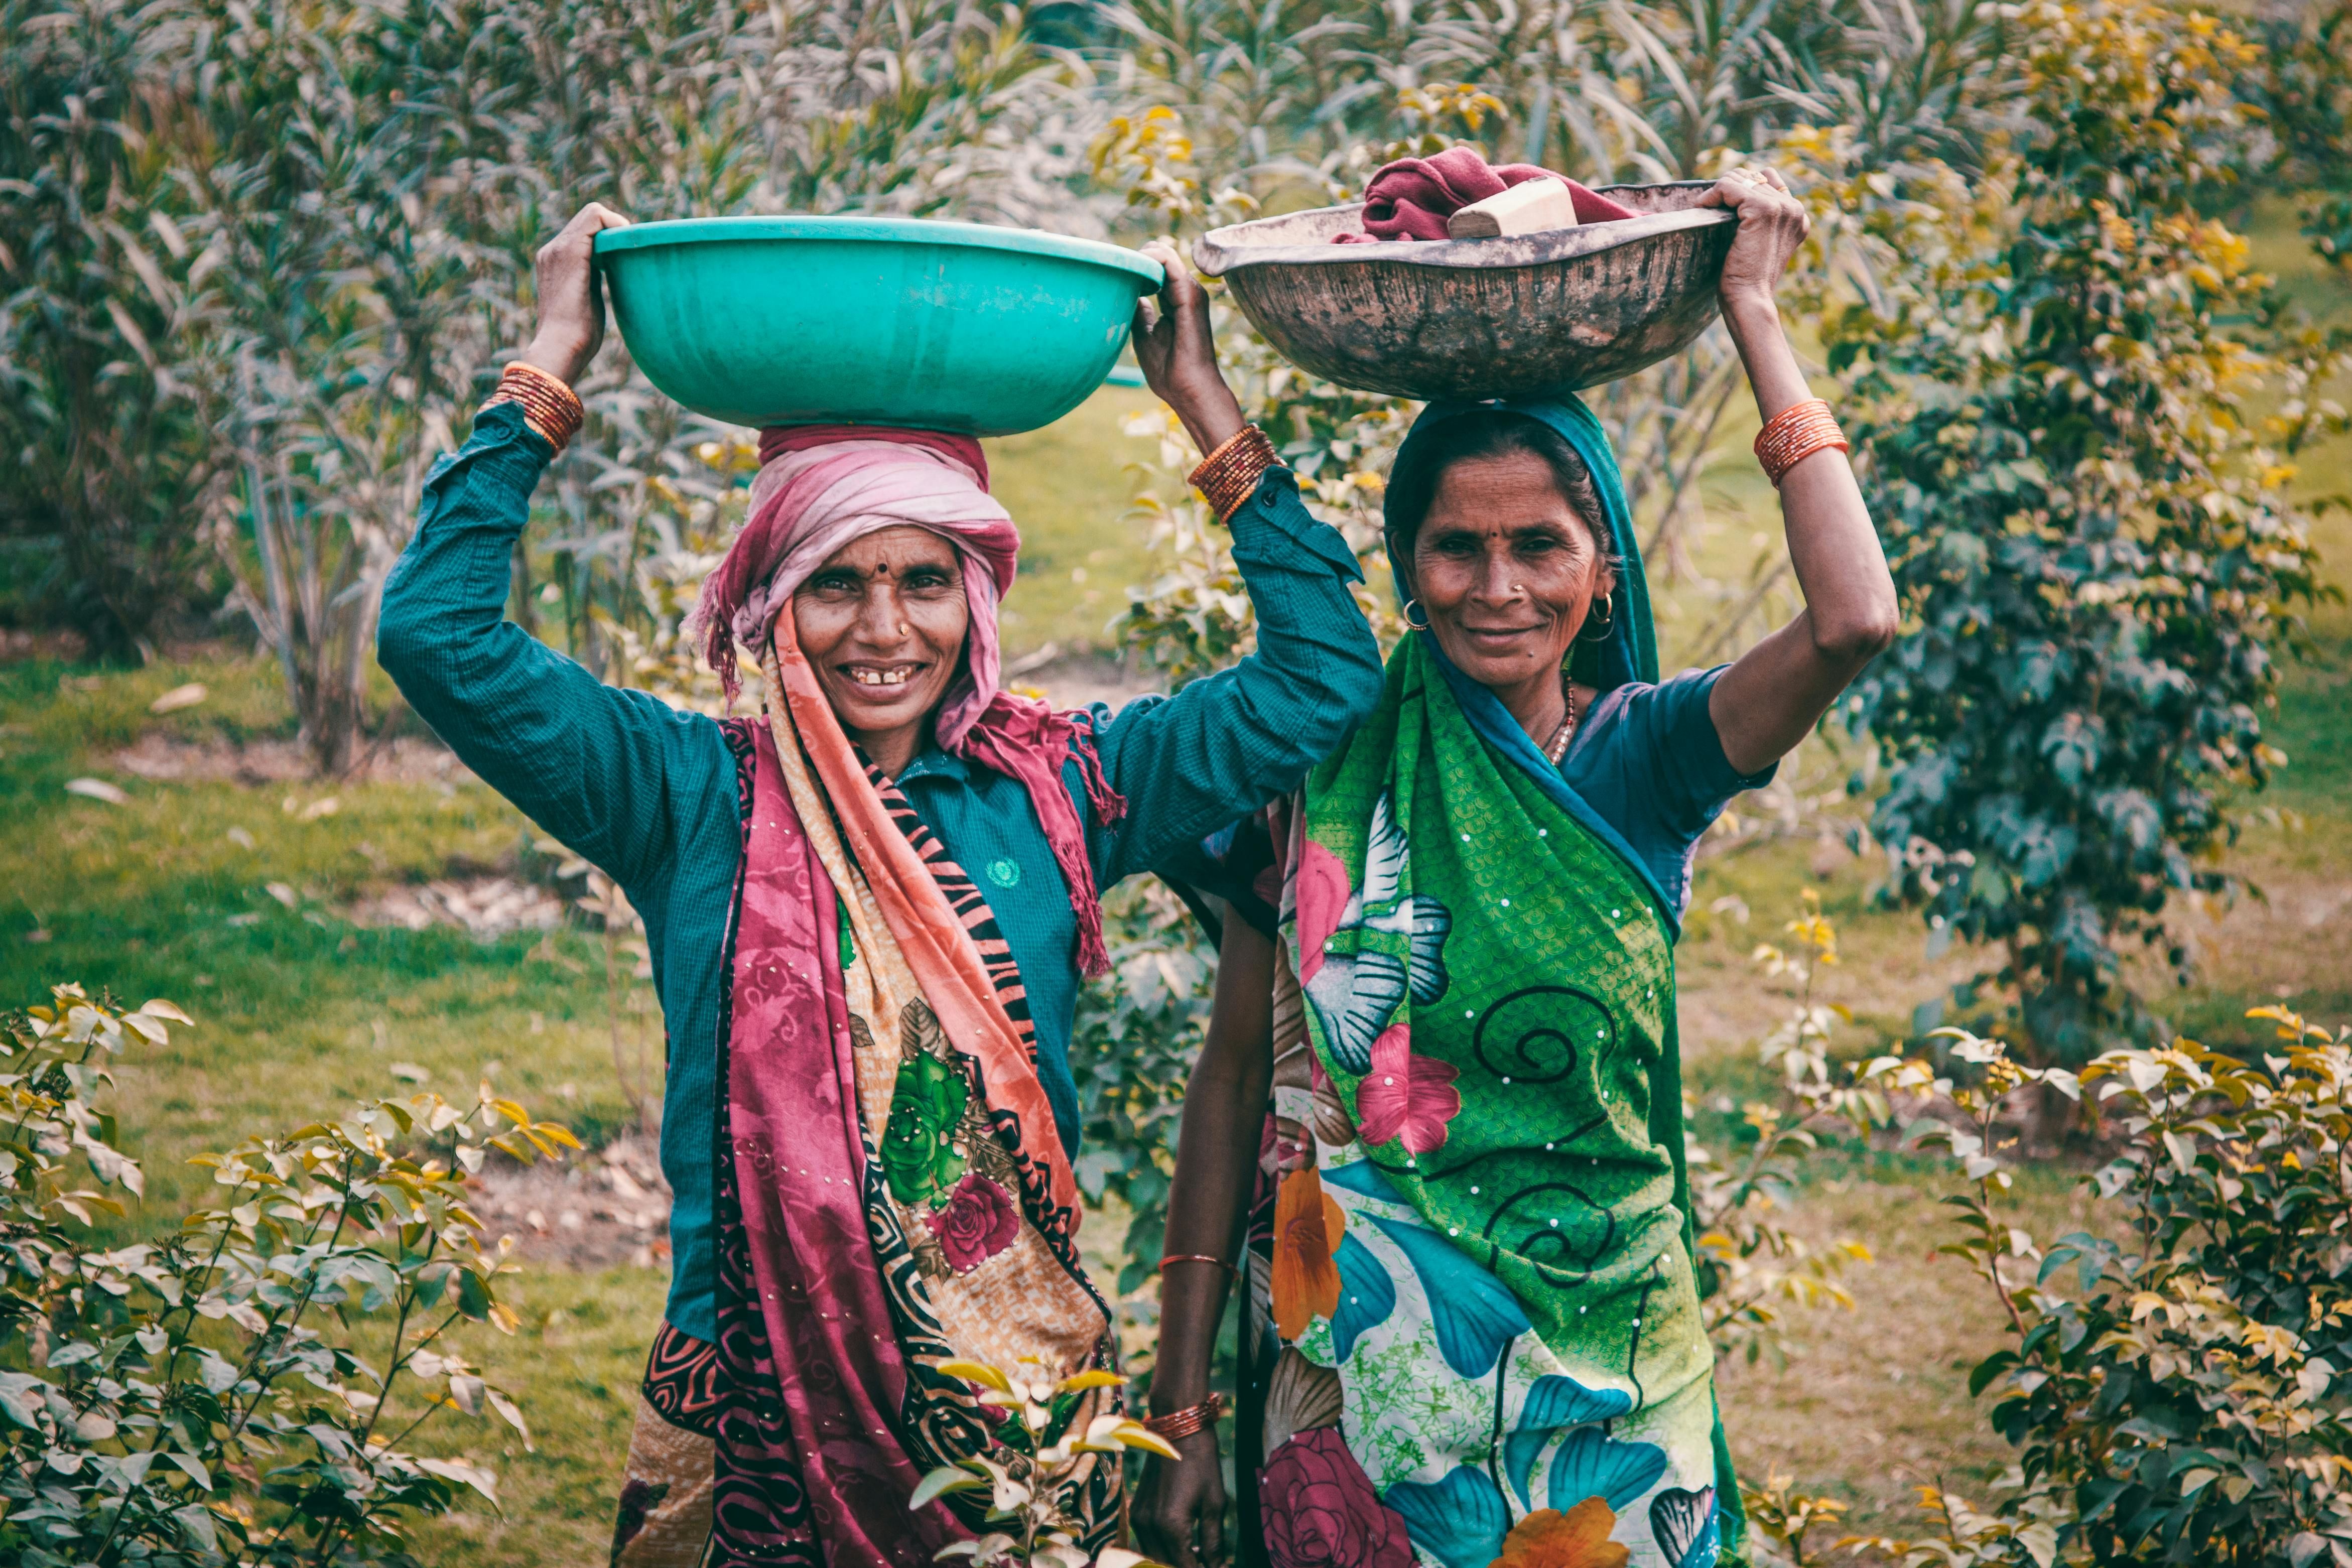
(1486, 433)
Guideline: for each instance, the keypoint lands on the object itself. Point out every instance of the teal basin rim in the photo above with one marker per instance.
(855, 227)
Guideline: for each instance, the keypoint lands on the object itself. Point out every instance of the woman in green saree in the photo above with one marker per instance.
(1471, 1334)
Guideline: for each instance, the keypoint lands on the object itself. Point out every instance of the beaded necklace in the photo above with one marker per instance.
(1567, 731)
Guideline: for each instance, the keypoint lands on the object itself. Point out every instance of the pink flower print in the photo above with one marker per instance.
(1405, 1095)
(978, 1223)
(1320, 1511)
(1323, 891)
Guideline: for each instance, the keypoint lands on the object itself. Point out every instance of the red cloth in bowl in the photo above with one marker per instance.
(1412, 197)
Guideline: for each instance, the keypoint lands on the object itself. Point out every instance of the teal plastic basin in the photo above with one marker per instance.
(903, 322)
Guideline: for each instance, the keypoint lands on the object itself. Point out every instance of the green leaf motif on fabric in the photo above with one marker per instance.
(848, 941)
(918, 1154)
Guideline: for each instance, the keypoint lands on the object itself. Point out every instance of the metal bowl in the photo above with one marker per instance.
(1533, 316)
(871, 321)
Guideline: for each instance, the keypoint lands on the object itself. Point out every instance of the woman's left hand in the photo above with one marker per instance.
(1772, 224)
(570, 298)
(1178, 353)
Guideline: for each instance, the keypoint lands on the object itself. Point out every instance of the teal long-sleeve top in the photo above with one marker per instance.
(647, 794)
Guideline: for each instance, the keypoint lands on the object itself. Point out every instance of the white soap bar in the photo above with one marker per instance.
(1531, 206)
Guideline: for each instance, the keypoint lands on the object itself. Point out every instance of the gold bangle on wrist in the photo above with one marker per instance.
(1229, 476)
(548, 405)
(1794, 434)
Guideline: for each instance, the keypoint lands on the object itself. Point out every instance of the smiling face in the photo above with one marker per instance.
(1506, 569)
(882, 623)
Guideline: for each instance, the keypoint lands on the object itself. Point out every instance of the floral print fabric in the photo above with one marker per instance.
(1472, 1311)
(883, 1206)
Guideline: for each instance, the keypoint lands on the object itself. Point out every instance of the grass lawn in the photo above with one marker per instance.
(1068, 487)
(233, 898)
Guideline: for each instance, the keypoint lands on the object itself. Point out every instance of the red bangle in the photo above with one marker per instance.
(1794, 434)
(549, 406)
(1229, 476)
(1198, 1258)
(1191, 1419)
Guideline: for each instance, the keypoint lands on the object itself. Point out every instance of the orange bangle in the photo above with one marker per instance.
(1794, 434)
(1191, 1419)
(1229, 476)
(549, 406)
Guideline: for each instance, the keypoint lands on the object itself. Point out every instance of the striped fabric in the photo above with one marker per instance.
(964, 897)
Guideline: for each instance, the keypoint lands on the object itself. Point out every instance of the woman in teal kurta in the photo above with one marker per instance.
(1471, 1326)
(647, 793)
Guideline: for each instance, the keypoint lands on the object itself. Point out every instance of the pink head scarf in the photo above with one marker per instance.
(821, 486)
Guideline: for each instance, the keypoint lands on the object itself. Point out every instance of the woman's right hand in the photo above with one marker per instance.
(1182, 1502)
(1178, 354)
(571, 305)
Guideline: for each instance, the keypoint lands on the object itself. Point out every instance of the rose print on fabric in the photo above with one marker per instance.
(1405, 1095)
(918, 1154)
(979, 1222)
(1321, 1510)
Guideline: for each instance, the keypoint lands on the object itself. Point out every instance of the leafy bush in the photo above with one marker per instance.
(256, 263)
(2303, 90)
(2095, 547)
(241, 1392)
(1138, 1033)
(2174, 1387)
(1749, 1264)
(105, 426)
(1035, 1460)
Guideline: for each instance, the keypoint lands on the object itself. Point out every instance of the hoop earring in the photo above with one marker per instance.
(1410, 605)
(1608, 620)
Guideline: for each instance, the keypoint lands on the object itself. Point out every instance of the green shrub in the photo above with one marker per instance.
(2303, 90)
(1138, 1033)
(2174, 1386)
(2093, 537)
(1750, 1263)
(104, 422)
(242, 1392)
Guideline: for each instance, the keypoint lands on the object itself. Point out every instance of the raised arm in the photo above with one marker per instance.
(1775, 693)
(590, 763)
(1182, 1505)
(1232, 742)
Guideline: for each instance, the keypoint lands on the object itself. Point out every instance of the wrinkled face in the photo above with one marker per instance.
(1504, 569)
(882, 623)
